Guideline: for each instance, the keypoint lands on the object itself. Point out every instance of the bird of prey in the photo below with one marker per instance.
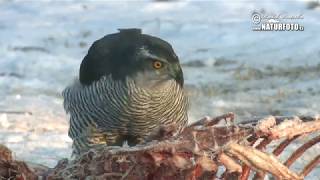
(129, 85)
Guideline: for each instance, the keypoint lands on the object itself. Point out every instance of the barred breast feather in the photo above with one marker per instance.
(113, 111)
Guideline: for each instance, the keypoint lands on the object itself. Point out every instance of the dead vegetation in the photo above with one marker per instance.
(212, 148)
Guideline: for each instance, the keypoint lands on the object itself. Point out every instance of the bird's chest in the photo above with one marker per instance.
(145, 109)
(128, 109)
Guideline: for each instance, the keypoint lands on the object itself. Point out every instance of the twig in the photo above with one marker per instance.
(15, 112)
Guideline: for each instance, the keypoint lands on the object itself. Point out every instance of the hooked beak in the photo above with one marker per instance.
(177, 74)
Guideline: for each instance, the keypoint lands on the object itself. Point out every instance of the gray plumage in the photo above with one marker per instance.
(114, 110)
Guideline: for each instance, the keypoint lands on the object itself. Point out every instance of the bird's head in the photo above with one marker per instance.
(148, 60)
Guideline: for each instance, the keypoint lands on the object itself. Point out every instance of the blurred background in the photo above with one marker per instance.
(227, 66)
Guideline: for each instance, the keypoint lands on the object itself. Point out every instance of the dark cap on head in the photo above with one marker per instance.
(115, 54)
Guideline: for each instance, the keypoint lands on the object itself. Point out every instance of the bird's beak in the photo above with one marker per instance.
(178, 74)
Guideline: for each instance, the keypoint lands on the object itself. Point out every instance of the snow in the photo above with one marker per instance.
(250, 73)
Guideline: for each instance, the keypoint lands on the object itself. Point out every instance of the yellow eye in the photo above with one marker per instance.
(157, 64)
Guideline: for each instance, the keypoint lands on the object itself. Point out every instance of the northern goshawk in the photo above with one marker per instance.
(129, 85)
